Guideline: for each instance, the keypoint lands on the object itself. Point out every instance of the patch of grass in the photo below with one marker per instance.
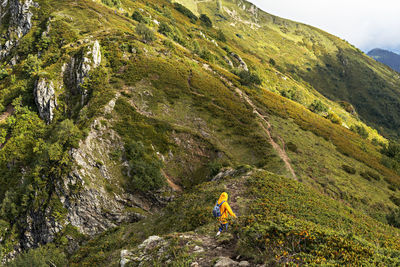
(291, 223)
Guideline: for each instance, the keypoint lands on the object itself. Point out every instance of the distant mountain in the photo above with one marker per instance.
(386, 57)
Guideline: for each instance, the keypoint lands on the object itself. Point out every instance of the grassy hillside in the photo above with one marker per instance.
(170, 118)
(310, 56)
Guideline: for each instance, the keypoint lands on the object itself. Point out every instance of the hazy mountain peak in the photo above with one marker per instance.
(386, 57)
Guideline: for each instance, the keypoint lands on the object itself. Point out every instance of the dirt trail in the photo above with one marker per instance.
(281, 151)
(174, 186)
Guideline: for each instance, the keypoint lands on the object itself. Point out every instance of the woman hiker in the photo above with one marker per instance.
(221, 211)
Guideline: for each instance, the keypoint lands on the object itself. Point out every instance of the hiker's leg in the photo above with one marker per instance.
(223, 227)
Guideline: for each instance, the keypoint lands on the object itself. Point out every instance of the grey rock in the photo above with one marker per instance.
(228, 61)
(224, 173)
(125, 257)
(151, 242)
(244, 264)
(198, 249)
(45, 99)
(40, 228)
(242, 64)
(96, 54)
(226, 262)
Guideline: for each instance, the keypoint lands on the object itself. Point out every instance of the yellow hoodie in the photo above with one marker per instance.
(225, 208)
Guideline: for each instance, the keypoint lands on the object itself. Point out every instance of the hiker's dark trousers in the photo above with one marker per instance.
(223, 227)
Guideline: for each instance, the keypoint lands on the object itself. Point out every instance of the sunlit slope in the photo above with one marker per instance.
(330, 65)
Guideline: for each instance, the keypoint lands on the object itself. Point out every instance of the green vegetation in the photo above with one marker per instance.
(185, 11)
(147, 35)
(291, 224)
(112, 3)
(165, 103)
(248, 78)
(318, 107)
(206, 20)
(44, 256)
(360, 130)
(143, 169)
(136, 15)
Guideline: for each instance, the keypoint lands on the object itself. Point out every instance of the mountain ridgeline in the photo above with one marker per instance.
(122, 122)
(386, 57)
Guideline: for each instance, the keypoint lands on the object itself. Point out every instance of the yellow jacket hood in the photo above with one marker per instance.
(223, 197)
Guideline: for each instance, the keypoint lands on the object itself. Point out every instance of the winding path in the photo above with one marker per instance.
(267, 129)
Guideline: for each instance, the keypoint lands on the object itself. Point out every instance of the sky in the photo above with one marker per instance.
(365, 24)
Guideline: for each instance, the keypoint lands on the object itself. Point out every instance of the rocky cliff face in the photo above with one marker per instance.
(80, 66)
(93, 209)
(45, 99)
(20, 22)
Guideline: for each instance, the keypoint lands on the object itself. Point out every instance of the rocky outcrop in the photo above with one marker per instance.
(40, 228)
(78, 70)
(45, 99)
(239, 60)
(19, 16)
(205, 251)
(93, 209)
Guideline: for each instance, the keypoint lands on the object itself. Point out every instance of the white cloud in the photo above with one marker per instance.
(366, 24)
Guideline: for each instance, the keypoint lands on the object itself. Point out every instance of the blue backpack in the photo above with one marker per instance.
(217, 209)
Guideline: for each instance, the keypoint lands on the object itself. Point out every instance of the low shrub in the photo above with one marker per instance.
(221, 36)
(393, 218)
(360, 130)
(207, 55)
(112, 3)
(144, 168)
(3, 74)
(292, 147)
(292, 94)
(395, 200)
(370, 176)
(136, 15)
(185, 11)
(249, 78)
(318, 107)
(215, 167)
(206, 20)
(334, 118)
(349, 169)
(32, 65)
(147, 35)
(164, 28)
(44, 256)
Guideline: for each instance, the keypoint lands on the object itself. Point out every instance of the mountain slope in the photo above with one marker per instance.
(330, 65)
(122, 120)
(386, 57)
